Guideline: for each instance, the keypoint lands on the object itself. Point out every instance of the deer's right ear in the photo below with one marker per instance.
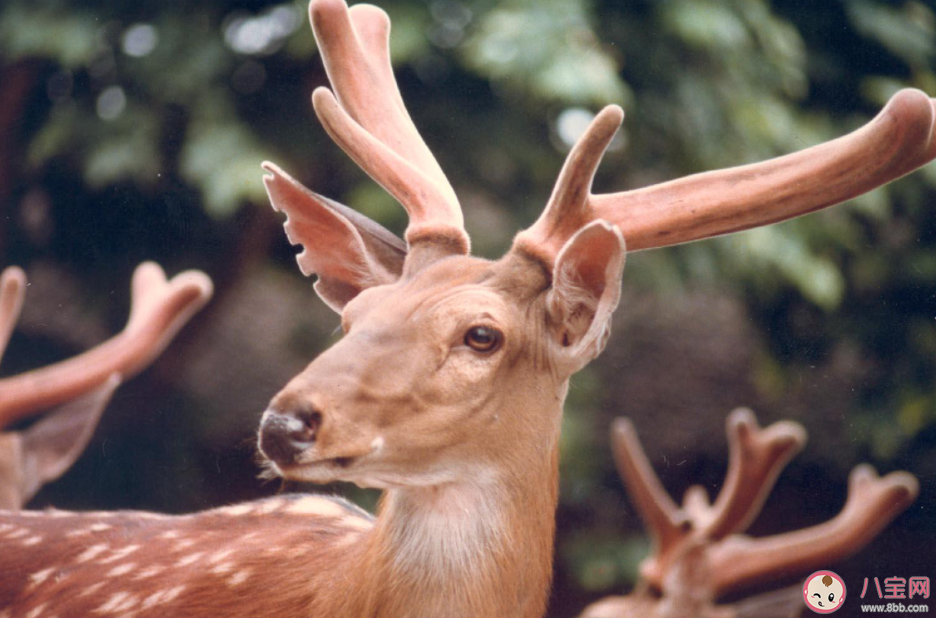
(586, 288)
(348, 251)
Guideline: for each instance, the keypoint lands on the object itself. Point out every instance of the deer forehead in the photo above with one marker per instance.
(449, 294)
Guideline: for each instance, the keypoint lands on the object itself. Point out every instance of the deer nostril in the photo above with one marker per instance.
(311, 421)
(283, 437)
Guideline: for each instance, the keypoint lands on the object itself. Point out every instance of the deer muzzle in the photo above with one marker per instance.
(286, 435)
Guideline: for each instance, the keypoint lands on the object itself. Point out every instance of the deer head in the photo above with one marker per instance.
(449, 360)
(73, 393)
(698, 550)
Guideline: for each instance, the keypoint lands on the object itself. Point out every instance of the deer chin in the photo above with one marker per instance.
(368, 471)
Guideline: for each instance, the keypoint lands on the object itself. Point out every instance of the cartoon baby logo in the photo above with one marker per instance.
(824, 592)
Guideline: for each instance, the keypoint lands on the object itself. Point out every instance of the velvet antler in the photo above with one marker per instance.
(697, 553)
(367, 118)
(159, 309)
(900, 139)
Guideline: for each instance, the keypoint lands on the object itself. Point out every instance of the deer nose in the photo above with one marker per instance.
(284, 436)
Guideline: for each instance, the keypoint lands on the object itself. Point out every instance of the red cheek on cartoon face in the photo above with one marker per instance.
(824, 592)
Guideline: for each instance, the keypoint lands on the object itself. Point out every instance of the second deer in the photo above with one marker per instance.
(446, 390)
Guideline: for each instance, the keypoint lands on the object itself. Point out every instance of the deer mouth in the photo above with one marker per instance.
(323, 470)
(335, 462)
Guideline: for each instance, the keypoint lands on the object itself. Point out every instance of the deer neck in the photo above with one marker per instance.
(478, 548)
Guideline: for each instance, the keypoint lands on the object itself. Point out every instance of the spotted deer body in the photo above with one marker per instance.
(446, 390)
(127, 563)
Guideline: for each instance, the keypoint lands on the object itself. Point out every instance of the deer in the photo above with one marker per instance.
(446, 389)
(72, 394)
(698, 549)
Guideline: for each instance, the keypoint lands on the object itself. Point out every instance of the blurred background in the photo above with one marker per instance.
(135, 131)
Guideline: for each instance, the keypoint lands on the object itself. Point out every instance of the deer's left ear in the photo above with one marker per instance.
(585, 291)
(50, 446)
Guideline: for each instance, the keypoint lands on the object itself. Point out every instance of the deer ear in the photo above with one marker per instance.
(51, 445)
(585, 291)
(348, 251)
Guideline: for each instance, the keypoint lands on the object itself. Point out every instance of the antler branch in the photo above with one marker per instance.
(667, 524)
(757, 456)
(158, 309)
(694, 560)
(873, 502)
(900, 139)
(367, 118)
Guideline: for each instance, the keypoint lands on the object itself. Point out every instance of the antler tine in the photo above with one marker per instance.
(369, 120)
(12, 290)
(159, 308)
(666, 523)
(873, 502)
(757, 456)
(900, 139)
(568, 209)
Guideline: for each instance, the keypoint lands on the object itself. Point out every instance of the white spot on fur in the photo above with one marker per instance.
(377, 444)
(150, 571)
(17, 533)
(190, 559)
(118, 602)
(92, 552)
(100, 527)
(33, 540)
(224, 567)
(77, 533)
(122, 569)
(36, 611)
(91, 589)
(314, 505)
(347, 540)
(40, 576)
(171, 534)
(269, 506)
(239, 578)
(175, 592)
(220, 555)
(160, 597)
(119, 554)
(358, 523)
(237, 510)
(183, 544)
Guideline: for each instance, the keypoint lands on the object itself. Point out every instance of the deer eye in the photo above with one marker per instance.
(483, 338)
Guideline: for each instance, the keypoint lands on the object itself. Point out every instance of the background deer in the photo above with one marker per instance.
(448, 386)
(73, 393)
(699, 553)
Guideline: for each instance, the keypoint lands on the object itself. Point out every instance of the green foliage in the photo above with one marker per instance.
(545, 51)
